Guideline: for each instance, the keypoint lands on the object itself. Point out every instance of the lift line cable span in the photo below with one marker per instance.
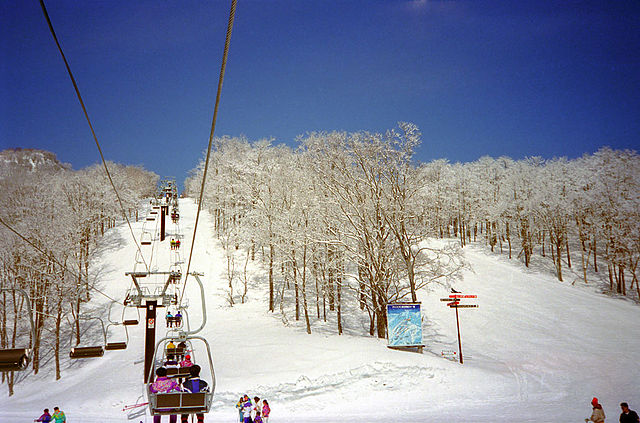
(213, 127)
(86, 115)
(51, 258)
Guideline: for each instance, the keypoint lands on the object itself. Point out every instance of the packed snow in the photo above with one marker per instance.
(535, 350)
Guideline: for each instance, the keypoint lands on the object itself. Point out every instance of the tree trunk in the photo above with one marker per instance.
(271, 257)
(568, 256)
(509, 239)
(295, 284)
(595, 256)
(304, 288)
(339, 296)
(559, 260)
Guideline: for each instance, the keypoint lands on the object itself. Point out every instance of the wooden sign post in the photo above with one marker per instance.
(454, 302)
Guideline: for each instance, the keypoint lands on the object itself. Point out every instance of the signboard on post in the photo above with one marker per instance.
(404, 325)
(454, 302)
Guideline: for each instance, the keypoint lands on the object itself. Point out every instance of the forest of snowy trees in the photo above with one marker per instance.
(63, 213)
(356, 212)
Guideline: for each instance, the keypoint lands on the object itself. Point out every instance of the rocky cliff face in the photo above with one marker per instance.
(19, 160)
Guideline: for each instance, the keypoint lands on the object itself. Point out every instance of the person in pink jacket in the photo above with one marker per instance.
(164, 385)
(265, 411)
(186, 362)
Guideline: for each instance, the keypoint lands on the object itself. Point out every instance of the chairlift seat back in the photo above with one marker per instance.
(14, 359)
(181, 403)
(178, 371)
(175, 351)
(86, 352)
(111, 346)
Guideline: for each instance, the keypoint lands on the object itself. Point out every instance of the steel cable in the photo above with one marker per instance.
(86, 115)
(213, 127)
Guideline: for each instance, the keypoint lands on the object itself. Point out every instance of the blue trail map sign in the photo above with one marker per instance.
(404, 323)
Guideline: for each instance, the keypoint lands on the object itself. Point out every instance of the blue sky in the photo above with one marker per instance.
(515, 78)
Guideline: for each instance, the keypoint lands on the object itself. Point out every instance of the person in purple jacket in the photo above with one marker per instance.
(45, 418)
(164, 385)
(194, 384)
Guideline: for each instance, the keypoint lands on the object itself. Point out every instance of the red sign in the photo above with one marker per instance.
(462, 296)
(452, 304)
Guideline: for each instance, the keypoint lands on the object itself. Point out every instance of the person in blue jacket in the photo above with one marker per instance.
(194, 384)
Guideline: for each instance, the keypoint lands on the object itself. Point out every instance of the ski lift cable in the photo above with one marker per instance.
(51, 257)
(86, 115)
(213, 127)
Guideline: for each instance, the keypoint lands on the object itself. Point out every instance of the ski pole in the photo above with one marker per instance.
(129, 407)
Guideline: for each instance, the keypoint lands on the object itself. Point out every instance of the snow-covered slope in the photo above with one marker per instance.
(536, 350)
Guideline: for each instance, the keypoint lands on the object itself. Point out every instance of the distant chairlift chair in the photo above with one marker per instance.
(17, 359)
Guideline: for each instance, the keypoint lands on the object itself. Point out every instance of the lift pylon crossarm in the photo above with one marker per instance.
(17, 359)
(163, 297)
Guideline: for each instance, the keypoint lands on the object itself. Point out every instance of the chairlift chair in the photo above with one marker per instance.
(145, 238)
(17, 359)
(89, 351)
(181, 402)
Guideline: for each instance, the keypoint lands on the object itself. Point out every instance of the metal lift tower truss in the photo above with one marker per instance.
(139, 296)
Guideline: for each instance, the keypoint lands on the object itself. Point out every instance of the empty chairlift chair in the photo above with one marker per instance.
(145, 238)
(89, 351)
(17, 359)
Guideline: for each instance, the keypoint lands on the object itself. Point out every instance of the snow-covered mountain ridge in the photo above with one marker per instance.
(29, 159)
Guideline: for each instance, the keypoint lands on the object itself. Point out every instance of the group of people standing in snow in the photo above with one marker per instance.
(57, 416)
(253, 411)
(597, 416)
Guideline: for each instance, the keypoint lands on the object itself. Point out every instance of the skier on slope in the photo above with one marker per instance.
(597, 416)
(45, 417)
(58, 416)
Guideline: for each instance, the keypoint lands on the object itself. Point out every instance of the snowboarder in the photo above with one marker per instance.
(173, 244)
(177, 244)
(266, 410)
(598, 413)
(178, 318)
(58, 416)
(194, 384)
(163, 385)
(627, 415)
(169, 318)
(45, 418)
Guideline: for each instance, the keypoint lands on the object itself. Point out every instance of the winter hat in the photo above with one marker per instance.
(594, 401)
(188, 357)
